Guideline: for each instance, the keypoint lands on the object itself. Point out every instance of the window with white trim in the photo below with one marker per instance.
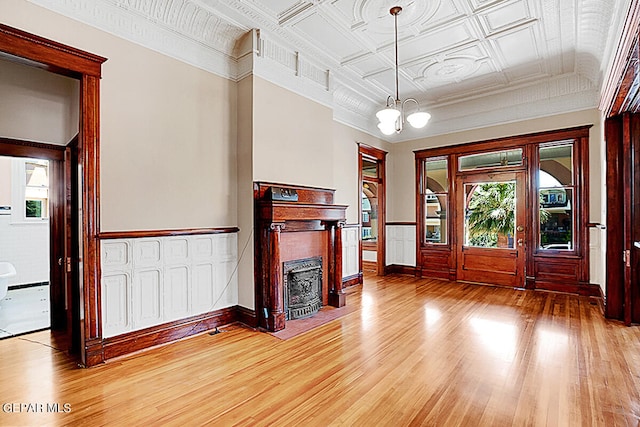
(30, 190)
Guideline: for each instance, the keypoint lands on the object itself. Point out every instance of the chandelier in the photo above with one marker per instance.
(392, 117)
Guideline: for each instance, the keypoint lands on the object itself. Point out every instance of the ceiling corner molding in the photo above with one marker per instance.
(618, 56)
(177, 31)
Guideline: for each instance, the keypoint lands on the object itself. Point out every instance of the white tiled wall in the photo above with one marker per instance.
(26, 246)
(150, 281)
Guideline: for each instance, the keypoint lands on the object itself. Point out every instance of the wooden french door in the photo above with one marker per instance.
(491, 228)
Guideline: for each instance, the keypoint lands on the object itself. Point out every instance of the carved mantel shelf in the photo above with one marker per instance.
(295, 222)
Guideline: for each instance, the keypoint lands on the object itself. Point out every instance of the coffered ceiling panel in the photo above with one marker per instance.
(450, 51)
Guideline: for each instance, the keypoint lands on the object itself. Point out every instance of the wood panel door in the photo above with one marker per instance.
(490, 215)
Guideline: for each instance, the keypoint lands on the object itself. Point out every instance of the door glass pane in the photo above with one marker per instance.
(556, 166)
(436, 218)
(369, 212)
(435, 200)
(490, 211)
(369, 168)
(437, 175)
(495, 159)
(556, 192)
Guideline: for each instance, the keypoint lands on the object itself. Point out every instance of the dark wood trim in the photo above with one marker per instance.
(337, 297)
(105, 235)
(623, 214)
(369, 246)
(31, 149)
(622, 85)
(166, 333)
(379, 156)
(48, 54)
(369, 265)
(402, 223)
(505, 142)
(247, 316)
(596, 225)
(614, 307)
(355, 279)
(351, 226)
(584, 289)
(400, 269)
(371, 151)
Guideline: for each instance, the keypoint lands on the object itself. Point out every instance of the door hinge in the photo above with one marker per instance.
(626, 258)
(68, 264)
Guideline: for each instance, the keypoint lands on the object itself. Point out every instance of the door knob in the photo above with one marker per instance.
(520, 228)
(520, 242)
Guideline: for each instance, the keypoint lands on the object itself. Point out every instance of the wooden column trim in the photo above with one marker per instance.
(337, 297)
(277, 318)
(89, 159)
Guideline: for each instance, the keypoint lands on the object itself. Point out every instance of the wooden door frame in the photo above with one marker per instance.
(20, 46)
(380, 157)
(520, 177)
(554, 270)
(57, 219)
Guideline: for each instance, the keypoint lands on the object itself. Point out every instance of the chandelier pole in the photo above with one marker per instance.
(392, 117)
(395, 11)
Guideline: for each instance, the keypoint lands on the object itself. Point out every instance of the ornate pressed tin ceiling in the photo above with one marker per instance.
(472, 63)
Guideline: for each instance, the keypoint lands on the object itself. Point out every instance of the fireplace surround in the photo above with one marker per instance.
(294, 223)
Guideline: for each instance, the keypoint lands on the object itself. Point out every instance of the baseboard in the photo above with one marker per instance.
(595, 290)
(370, 266)
(400, 269)
(355, 279)
(165, 333)
(27, 285)
(584, 289)
(247, 316)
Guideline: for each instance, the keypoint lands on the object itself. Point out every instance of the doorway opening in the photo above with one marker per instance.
(371, 162)
(25, 303)
(38, 239)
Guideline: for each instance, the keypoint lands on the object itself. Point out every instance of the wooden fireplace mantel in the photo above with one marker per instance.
(295, 222)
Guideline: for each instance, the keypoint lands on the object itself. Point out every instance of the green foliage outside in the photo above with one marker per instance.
(491, 213)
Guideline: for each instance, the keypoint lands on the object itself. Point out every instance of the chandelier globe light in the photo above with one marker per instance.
(392, 117)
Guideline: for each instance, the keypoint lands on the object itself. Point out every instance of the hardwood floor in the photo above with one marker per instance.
(417, 352)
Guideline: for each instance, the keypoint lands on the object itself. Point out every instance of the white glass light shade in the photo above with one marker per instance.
(418, 119)
(388, 115)
(387, 128)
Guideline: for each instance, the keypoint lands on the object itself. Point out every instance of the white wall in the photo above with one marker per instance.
(167, 149)
(5, 181)
(37, 105)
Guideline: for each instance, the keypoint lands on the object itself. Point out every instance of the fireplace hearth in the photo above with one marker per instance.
(302, 287)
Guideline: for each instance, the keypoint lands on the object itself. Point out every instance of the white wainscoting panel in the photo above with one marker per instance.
(598, 257)
(150, 281)
(401, 245)
(350, 251)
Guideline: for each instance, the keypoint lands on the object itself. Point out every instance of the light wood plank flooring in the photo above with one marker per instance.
(417, 352)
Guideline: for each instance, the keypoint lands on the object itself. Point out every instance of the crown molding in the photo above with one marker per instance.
(221, 37)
